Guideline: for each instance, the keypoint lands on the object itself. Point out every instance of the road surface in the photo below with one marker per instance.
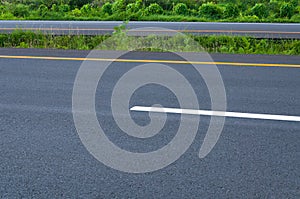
(260, 30)
(43, 157)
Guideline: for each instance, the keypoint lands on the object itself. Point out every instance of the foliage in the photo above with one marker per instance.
(157, 10)
(231, 11)
(134, 10)
(118, 6)
(107, 8)
(210, 11)
(64, 8)
(43, 10)
(260, 10)
(153, 9)
(76, 12)
(86, 9)
(79, 3)
(212, 44)
(287, 10)
(180, 9)
(20, 10)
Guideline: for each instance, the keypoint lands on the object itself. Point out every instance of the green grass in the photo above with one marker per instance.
(27, 39)
(120, 41)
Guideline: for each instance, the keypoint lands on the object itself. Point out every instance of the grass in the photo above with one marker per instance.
(28, 39)
(120, 41)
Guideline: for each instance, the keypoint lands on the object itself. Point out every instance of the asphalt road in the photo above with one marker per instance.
(42, 156)
(260, 30)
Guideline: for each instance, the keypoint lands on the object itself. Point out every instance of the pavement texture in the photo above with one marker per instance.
(42, 156)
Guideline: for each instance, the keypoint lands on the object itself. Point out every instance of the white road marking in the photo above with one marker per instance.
(217, 113)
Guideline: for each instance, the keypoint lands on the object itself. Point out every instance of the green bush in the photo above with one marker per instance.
(296, 48)
(86, 9)
(107, 8)
(260, 10)
(287, 10)
(20, 10)
(231, 11)
(134, 7)
(168, 10)
(210, 11)
(3, 9)
(274, 6)
(43, 10)
(54, 8)
(134, 10)
(64, 8)
(249, 19)
(296, 18)
(153, 9)
(118, 6)
(180, 9)
(78, 3)
(295, 3)
(76, 12)
(8, 15)
(130, 8)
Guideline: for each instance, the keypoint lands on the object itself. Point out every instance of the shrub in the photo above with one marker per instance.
(131, 8)
(180, 9)
(296, 18)
(86, 9)
(287, 10)
(249, 19)
(54, 8)
(2, 9)
(134, 10)
(153, 9)
(79, 3)
(20, 10)
(295, 3)
(274, 6)
(107, 8)
(134, 7)
(296, 48)
(118, 6)
(260, 10)
(42, 10)
(231, 11)
(76, 12)
(211, 11)
(64, 8)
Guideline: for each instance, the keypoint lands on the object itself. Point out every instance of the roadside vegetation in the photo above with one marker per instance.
(211, 44)
(153, 10)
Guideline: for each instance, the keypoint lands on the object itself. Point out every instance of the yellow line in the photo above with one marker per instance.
(151, 61)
